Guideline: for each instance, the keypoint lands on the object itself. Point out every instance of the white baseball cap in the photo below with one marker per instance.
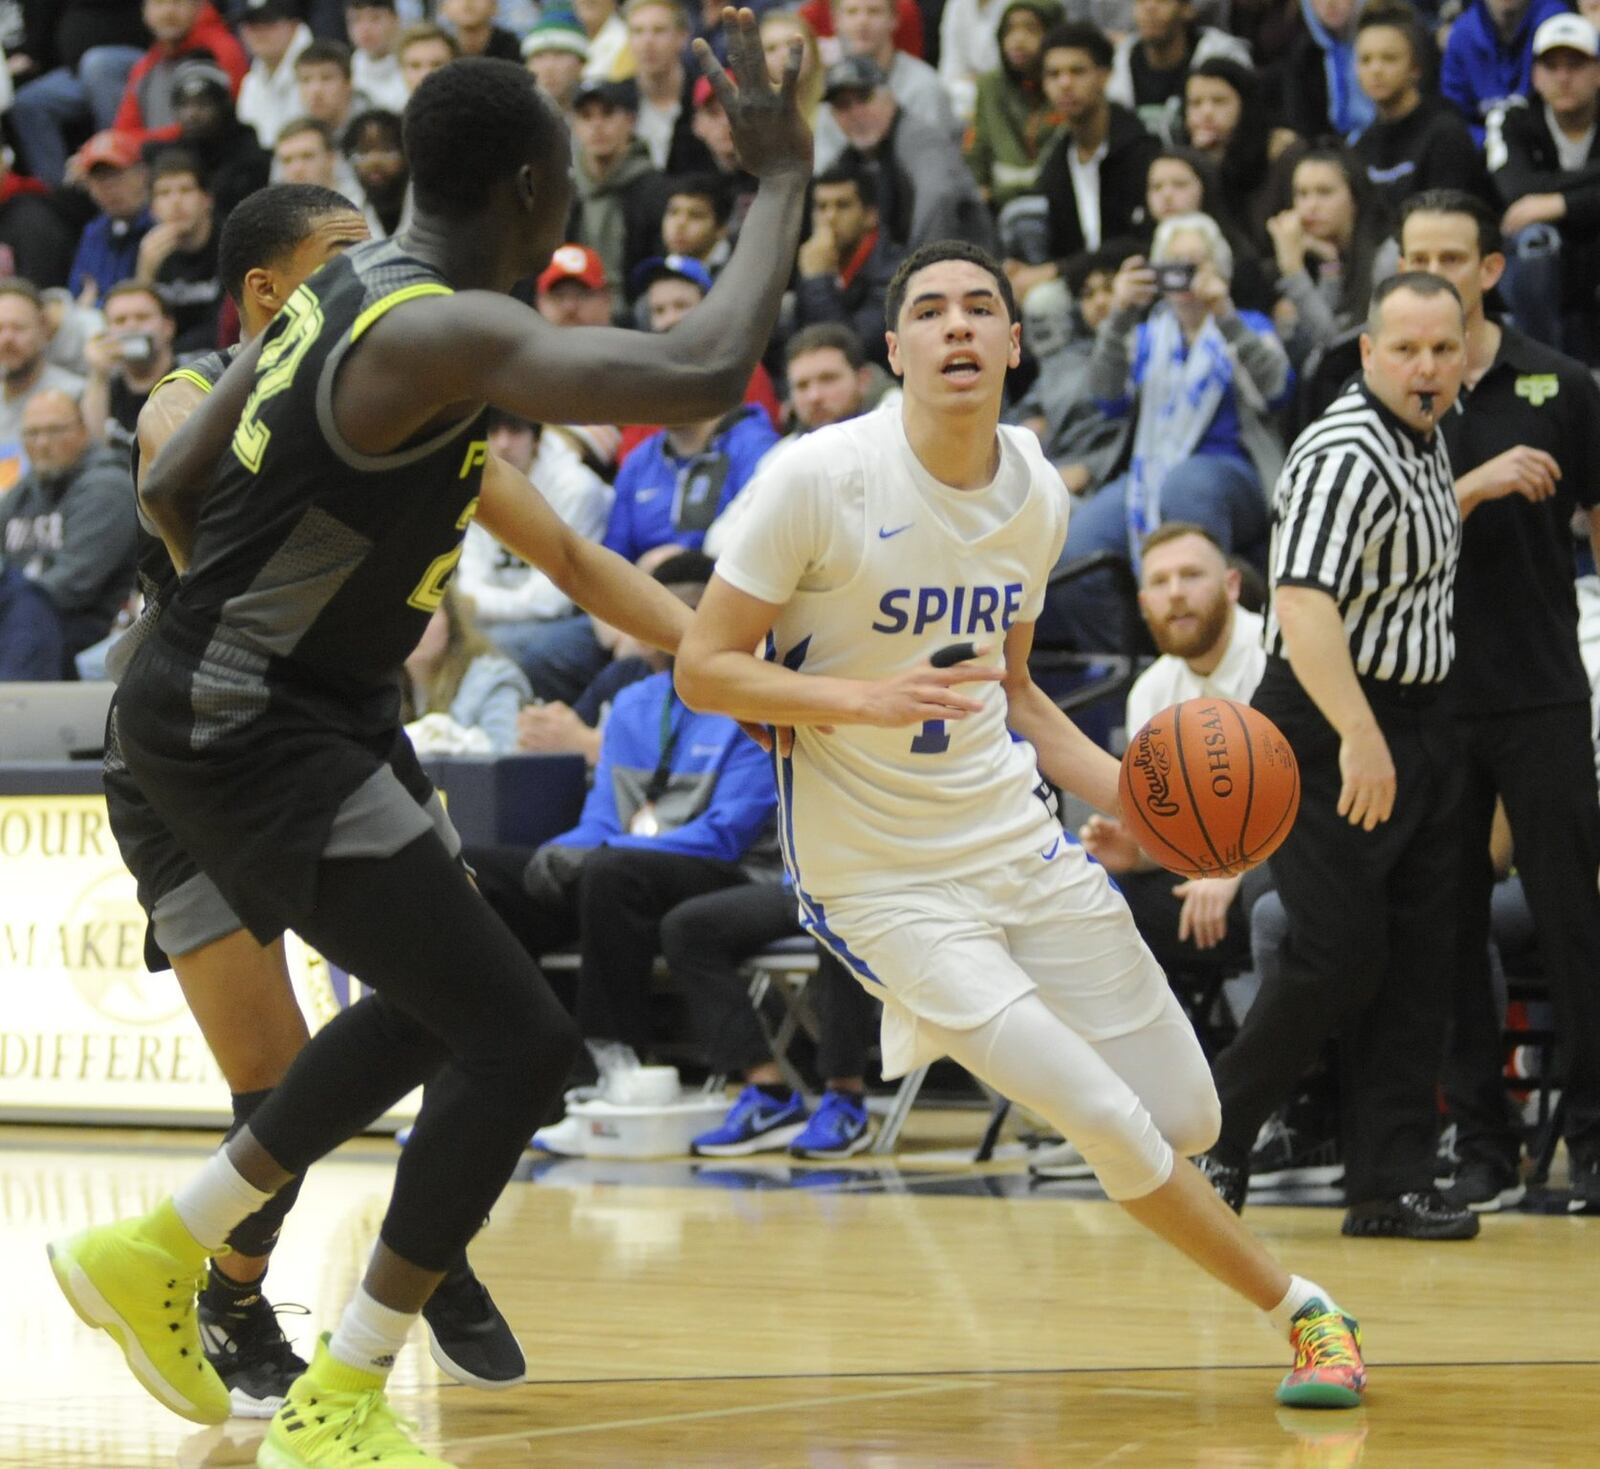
(1566, 33)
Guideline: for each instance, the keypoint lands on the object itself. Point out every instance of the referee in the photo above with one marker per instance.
(1524, 447)
(1364, 545)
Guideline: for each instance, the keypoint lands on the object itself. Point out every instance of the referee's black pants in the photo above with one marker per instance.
(1369, 950)
(1540, 762)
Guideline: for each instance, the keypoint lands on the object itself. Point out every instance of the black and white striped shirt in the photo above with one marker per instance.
(1365, 510)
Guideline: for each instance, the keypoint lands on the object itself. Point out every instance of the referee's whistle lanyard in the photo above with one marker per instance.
(644, 822)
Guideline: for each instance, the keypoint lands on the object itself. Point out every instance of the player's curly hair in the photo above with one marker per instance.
(471, 124)
(269, 225)
(931, 254)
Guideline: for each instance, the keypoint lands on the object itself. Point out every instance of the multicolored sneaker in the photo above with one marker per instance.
(756, 1123)
(839, 1128)
(1328, 1371)
(336, 1417)
(137, 1281)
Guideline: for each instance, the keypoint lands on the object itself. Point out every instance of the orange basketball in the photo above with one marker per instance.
(1209, 788)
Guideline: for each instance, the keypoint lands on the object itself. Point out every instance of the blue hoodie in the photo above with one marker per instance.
(1481, 71)
(1350, 110)
(646, 514)
(719, 801)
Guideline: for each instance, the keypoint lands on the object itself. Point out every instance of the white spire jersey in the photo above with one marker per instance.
(877, 565)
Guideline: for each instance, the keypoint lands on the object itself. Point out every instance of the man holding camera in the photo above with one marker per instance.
(126, 361)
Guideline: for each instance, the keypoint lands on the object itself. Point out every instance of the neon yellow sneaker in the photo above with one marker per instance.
(336, 1417)
(137, 1281)
(1328, 1371)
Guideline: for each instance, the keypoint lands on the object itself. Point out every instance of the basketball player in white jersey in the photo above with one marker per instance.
(918, 832)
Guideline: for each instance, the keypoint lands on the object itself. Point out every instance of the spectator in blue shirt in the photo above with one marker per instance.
(114, 173)
(682, 805)
(679, 480)
(1488, 60)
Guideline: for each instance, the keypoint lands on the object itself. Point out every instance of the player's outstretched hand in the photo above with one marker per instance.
(768, 131)
(924, 692)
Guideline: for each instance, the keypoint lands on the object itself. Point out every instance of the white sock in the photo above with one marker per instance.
(216, 1201)
(1300, 1291)
(369, 1336)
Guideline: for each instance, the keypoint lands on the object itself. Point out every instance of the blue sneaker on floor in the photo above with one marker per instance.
(756, 1123)
(838, 1128)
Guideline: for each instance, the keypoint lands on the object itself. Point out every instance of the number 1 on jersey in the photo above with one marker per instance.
(933, 740)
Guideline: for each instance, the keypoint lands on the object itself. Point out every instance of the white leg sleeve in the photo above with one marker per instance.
(1163, 1063)
(1029, 1054)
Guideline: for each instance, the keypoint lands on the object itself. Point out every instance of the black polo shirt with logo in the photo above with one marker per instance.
(1516, 613)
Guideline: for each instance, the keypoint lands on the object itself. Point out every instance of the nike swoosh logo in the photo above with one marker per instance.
(647, 494)
(1050, 851)
(885, 534)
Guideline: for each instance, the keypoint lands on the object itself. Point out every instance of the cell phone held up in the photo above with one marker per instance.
(1174, 276)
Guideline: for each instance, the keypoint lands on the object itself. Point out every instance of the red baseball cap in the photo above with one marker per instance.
(108, 150)
(573, 263)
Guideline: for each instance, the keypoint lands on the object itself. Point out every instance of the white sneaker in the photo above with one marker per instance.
(1061, 1161)
(564, 1139)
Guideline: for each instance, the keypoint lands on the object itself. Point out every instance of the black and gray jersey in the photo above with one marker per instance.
(315, 563)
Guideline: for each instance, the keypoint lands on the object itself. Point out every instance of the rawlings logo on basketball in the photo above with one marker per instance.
(1153, 761)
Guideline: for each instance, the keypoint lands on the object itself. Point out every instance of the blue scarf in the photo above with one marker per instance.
(1349, 108)
(1179, 395)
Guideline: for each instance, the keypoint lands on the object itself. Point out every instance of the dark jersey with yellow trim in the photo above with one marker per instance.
(324, 561)
(261, 717)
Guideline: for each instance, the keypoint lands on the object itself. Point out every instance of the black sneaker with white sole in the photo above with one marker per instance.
(468, 1337)
(1290, 1156)
(243, 1341)
(1484, 1187)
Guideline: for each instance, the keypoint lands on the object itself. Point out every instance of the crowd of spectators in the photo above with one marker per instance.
(1192, 198)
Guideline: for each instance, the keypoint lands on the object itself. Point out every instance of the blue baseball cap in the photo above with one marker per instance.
(661, 267)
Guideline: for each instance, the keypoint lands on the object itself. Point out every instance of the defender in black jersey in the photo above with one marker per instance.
(259, 718)
(239, 990)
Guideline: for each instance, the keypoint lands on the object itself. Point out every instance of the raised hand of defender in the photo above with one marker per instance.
(924, 692)
(768, 131)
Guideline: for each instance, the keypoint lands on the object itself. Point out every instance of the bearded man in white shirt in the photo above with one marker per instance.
(1210, 647)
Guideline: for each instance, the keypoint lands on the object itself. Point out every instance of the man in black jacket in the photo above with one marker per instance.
(1544, 159)
(658, 36)
(1416, 142)
(231, 157)
(1094, 175)
(844, 267)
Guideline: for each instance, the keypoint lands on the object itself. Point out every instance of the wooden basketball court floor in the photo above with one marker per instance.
(936, 1316)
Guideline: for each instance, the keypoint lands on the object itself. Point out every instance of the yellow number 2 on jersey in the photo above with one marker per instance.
(429, 591)
(280, 360)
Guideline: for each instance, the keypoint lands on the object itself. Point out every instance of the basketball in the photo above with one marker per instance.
(1209, 788)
